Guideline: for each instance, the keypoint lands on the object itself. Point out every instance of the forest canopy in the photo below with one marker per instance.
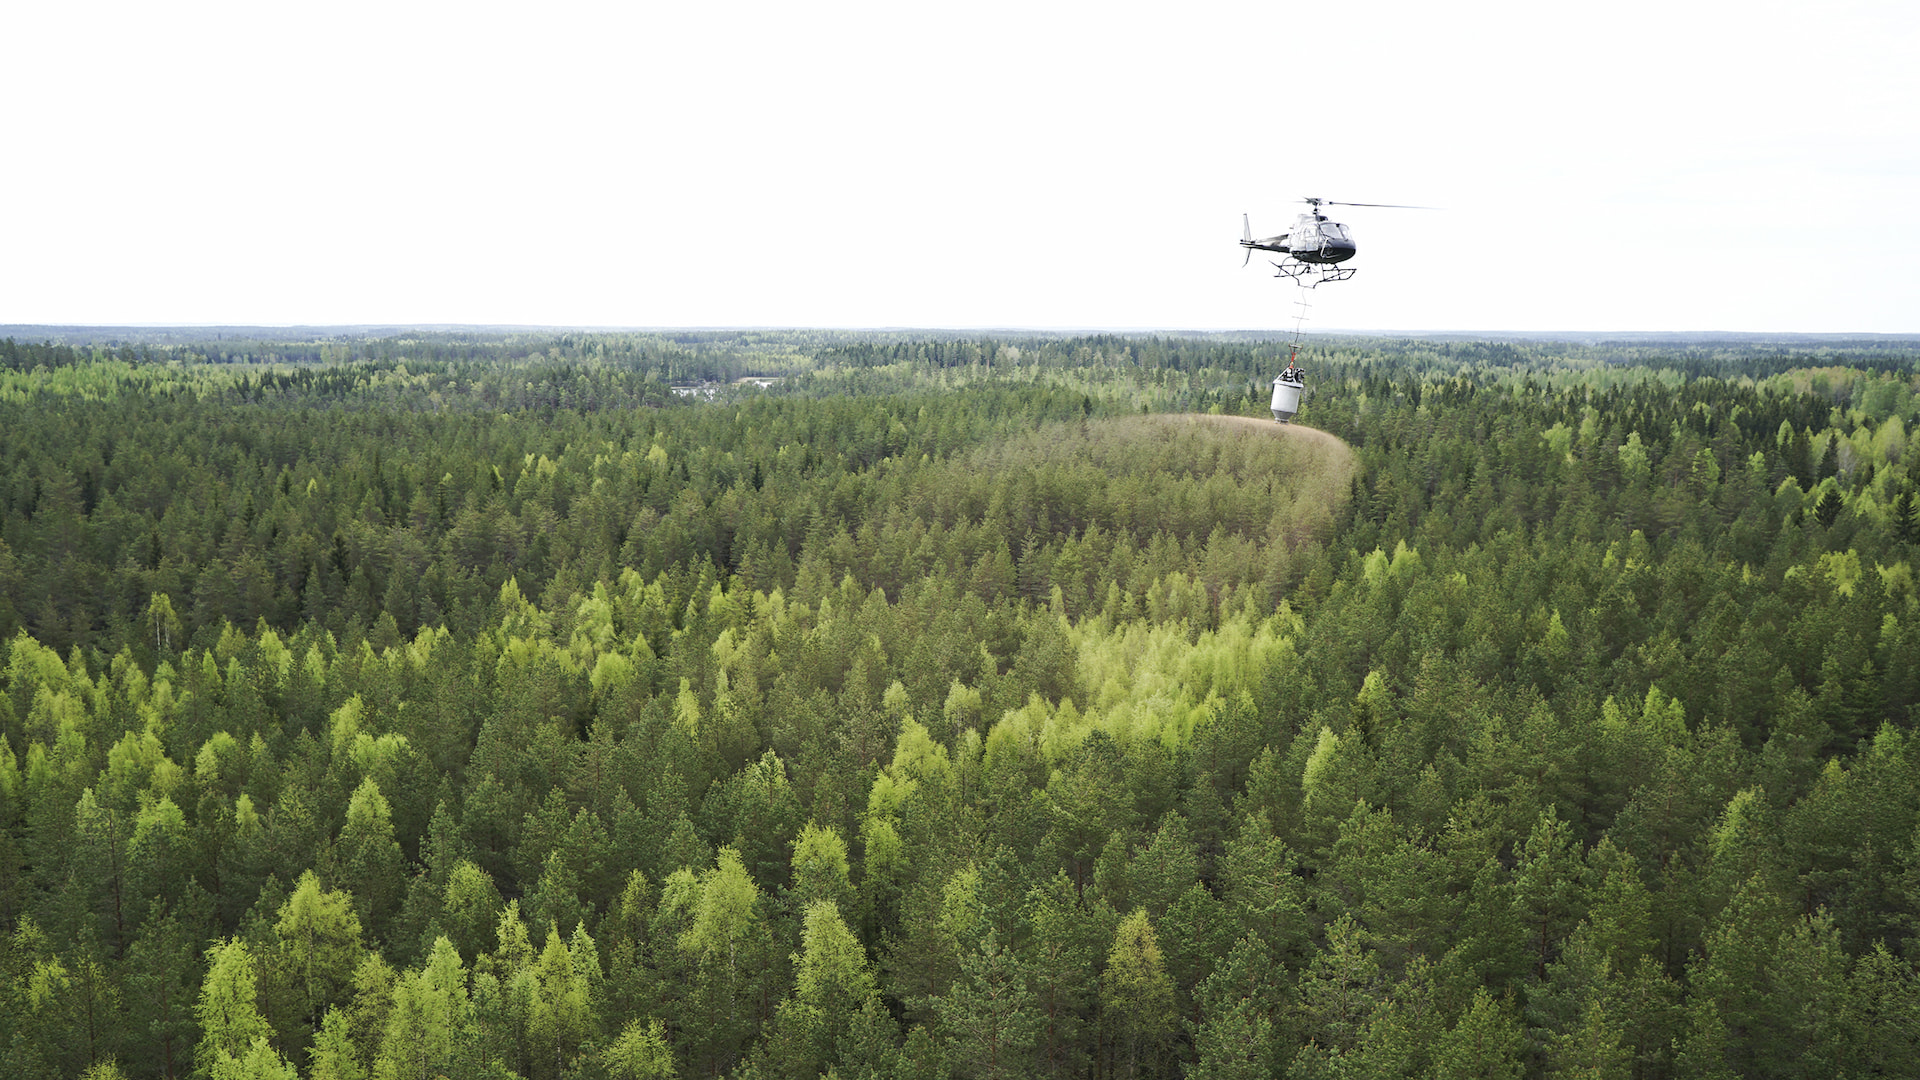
(485, 704)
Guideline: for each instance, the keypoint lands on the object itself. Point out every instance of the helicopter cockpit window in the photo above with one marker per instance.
(1333, 230)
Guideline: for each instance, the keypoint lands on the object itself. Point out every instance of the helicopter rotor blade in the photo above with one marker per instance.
(1389, 206)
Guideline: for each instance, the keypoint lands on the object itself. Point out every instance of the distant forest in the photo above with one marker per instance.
(470, 704)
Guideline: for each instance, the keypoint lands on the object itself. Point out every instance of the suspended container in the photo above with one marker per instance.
(1286, 392)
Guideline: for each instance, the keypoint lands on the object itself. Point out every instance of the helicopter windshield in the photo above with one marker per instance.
(1333, 230)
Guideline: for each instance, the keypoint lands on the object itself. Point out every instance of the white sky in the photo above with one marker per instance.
(1675, 165)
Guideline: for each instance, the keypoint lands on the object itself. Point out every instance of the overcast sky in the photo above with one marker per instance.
(1673, 165)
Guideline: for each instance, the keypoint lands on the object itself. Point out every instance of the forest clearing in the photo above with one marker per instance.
(472, 705)
(1339, 455)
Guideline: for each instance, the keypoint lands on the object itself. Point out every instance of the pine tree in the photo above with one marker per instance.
(1905, 518)
(1594, 1050)
(160, 976)
(371, 866)
(1799, 455)
(1341, 988)
(1136, 996)
(1061, 954)
(1486, 1044)
(990, 1015)
(1827, 510)
(1236, 1039)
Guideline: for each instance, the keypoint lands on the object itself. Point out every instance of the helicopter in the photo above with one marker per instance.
(1314, 247)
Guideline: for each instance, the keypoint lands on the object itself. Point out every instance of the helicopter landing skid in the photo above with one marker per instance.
(1312, 276)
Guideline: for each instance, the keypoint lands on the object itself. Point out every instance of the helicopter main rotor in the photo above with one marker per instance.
(1317, 203)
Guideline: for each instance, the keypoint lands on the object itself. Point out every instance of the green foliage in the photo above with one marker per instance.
(818, 1027)
(232, 1029)
(1136, 995)
(428, 1016)
(641, 1053)
(990, 1015)
(318, 950)
(1486, 1042)
(497, 711)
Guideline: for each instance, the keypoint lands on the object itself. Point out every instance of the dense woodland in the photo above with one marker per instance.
(473, 705)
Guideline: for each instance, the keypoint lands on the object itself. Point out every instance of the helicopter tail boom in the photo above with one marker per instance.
(1269, 243)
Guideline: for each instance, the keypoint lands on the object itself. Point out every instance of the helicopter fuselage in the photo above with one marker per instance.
(1314, 239)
